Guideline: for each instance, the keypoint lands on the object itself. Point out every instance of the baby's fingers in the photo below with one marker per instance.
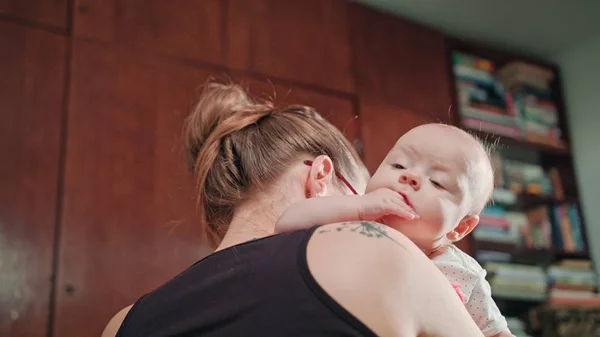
(402, 211)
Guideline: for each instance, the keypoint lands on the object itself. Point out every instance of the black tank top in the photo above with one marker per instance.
(258, 288)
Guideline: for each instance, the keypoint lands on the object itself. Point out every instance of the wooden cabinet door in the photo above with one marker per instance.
(382, 125)
(129, 209)
(306, 41)
(339, 109)
(45, 12)
(192, 29)
(400, 63)
(32, 64)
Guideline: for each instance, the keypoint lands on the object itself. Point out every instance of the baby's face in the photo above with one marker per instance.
(430, 166)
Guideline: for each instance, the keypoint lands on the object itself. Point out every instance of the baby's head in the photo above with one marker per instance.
(445, 175)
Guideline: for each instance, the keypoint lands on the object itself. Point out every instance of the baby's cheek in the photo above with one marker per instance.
(435, 229)
(426, 230)
(449, 215)
(431, 222)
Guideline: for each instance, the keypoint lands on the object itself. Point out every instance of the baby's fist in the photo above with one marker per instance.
(382, 202)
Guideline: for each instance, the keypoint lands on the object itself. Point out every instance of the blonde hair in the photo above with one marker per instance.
(236, 145)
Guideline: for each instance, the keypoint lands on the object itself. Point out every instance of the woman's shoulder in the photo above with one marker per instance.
(364, 247)
(368, 268)
(384, 280)
(369, 238)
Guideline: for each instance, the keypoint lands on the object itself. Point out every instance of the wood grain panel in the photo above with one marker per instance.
(339, 110)
(400, 62)
(129, 212)
(32, 64)
(305, 41)
(185, 28)
(382, 125)
(50, 12)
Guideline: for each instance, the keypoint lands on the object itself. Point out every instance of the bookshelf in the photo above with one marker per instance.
(532, 236)
(508, 141)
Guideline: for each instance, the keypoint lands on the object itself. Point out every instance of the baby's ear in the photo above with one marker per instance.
(466, 226)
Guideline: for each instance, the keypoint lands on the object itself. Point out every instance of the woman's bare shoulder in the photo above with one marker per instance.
(370, 239)
(115, 322)
(386, 281)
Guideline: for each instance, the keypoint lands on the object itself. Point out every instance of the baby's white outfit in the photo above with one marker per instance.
(463, 269)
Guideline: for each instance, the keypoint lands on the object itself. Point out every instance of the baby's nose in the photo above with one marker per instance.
(411, 179)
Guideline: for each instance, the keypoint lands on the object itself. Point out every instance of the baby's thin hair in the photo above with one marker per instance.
(490, 144)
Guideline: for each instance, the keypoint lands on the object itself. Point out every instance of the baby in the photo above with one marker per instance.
(431, 186)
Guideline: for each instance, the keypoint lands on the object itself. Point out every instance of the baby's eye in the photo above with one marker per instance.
(399, 166)
(437, 184)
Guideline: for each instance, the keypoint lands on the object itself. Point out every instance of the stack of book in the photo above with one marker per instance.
(521, 177)
(556, 226)
(517, 281)
(565, 321)
(537, 230)
(517, 327)
(481, 96)
(529, 209)
(567, 230)
(543, 227)
(527, 178)
(533, 103)
(487, 255)
(573, 282)
(498, 225)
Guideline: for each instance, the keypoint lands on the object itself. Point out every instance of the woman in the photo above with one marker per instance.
(252, 161)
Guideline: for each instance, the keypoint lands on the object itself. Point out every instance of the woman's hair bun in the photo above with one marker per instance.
(218, 102)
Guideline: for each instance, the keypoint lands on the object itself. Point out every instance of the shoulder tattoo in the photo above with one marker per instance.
(364, 228)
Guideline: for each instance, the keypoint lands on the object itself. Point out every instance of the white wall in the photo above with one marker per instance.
(580, 68)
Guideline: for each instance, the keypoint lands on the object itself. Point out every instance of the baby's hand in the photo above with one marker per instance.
(382, 202)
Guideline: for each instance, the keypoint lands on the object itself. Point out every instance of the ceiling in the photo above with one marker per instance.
(541, 28)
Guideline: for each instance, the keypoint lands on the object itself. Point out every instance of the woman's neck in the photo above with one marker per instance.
(252, 221)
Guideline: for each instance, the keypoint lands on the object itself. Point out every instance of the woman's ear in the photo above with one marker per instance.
(466, 226)
(320, 177)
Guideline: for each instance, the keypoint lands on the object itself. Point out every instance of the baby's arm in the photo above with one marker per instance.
(332, 209)
(319, 211)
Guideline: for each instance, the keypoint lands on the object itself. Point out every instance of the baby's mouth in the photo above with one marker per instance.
(406, 201)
